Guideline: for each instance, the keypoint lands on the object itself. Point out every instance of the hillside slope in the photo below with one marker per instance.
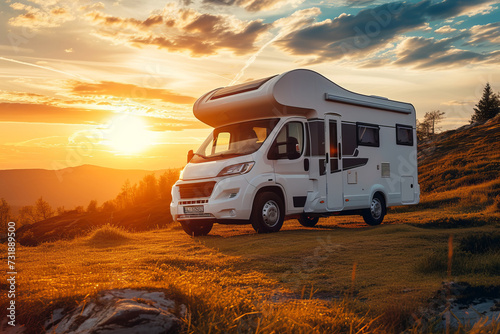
(467, 156)
(67, 187)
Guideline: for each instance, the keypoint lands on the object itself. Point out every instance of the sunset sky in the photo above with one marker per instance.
(112, 83)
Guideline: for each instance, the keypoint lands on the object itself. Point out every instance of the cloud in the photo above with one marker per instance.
(123, 90)
(33, 98)
(177, 125)
(43, 113)
(489, 33)
(426, 53)
(358, 2)
(445, 30)
(255, 5)
(46, 113)
(110, 21)
(370, 31)
(183, 30)
(47, 15)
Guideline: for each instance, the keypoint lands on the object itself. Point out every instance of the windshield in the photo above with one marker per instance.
(235, 139)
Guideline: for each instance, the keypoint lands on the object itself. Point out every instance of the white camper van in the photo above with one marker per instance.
(296, 145)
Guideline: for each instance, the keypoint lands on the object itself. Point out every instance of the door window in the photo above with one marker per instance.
(334, 144)
(289, 143)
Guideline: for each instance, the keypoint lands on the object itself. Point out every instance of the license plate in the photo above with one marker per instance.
(194, 209)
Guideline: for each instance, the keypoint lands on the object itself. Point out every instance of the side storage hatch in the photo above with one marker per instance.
(407, 189)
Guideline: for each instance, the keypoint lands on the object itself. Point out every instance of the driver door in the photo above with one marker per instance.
(287, 155)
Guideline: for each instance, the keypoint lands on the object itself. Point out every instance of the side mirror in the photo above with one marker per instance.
(291, 148)
(190, 155)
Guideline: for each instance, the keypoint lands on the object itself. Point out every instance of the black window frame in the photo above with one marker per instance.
(398, 140)
(368, 125)
(317, 140)
(271, 155)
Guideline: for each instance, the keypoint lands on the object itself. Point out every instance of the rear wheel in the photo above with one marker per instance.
(268, 213)
(375, 214)
(308, 221)
(195, 229)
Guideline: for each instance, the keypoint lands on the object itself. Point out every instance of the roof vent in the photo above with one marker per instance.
(241, 88)
(379, 97)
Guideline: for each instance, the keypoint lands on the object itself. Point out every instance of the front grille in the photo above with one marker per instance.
(195, 190)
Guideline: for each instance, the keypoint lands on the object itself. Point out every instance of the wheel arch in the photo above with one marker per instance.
(274, 189)
(378, 189)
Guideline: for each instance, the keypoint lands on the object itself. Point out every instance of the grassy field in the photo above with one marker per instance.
(341, 276)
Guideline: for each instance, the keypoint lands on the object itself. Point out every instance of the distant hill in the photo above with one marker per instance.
(67, 187)
(467, 156)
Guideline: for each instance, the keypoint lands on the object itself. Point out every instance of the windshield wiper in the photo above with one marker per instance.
(226, 155)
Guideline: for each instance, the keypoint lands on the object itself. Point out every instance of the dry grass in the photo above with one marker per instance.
(339, 277)
(108, 234)
(299, 280)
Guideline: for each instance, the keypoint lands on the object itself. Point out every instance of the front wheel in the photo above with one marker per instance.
(195, 229)
(375, 214)
(268, 213)
(308, 221)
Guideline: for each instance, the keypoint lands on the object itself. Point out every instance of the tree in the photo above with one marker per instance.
(108, 206)
(147, 190)
(4, 213)
(423, 130)
(434, 118)
(166, 181)
(27, 215)
(60, 210)
(92, 207)
(43, 210)
(428, 127)
(487, 107)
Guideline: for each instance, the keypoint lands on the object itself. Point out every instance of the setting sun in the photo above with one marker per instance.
(128, 134)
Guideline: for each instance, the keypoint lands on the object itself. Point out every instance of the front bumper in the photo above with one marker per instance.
(231, 199)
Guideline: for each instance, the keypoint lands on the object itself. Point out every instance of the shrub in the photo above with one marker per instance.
(452, 222)
(496, 203)
(480, 243)
(108, 233)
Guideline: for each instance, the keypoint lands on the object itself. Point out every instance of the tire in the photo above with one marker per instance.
(268, 213)
(196, 228)
(374, 215)
(308, 221)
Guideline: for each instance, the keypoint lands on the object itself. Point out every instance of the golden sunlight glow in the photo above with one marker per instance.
(128, 134)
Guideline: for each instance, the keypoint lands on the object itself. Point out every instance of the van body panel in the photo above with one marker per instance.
(331, 150)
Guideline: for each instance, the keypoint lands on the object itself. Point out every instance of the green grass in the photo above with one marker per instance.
(337, 278)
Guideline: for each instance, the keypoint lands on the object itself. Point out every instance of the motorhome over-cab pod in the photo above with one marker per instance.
(299, 92)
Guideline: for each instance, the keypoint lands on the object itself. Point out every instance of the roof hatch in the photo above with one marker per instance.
(241, 88)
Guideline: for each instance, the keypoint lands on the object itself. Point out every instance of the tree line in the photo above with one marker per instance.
(149, 189)
(487, 108)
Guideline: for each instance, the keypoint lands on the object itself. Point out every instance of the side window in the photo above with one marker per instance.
(317, 130)
(222, 142)
(368, 134)
(333, 139)
(296, 130)
(289, 143)
(404, 135)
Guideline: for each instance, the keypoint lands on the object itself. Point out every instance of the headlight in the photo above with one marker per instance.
(242, 168)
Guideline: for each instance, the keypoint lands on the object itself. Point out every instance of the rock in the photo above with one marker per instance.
(120, 311)
(459, 303)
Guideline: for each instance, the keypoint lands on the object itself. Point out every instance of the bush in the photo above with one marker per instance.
(463, 263)
(452, 222)
(480, 243)
(108, 233)
(496, 203)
